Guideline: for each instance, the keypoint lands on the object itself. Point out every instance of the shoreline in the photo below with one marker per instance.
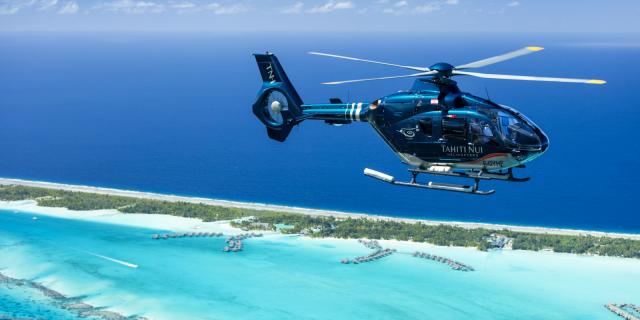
(309, 211)
(184, 224)
(113, 216)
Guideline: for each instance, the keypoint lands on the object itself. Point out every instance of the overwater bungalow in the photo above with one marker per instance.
(455, 265)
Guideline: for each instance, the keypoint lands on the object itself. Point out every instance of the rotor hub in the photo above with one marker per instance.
(443, 68)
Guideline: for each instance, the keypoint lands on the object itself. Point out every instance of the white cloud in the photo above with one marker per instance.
(296, 8)
(47, 4)
(513, 4)
(427, 8)
(8, 10)
(403, 8)
(401, 4)
(217, 8)
(10, 7)
(451, 2)
(182, 5)
(331, 6)
(131, 7)
(70, 7)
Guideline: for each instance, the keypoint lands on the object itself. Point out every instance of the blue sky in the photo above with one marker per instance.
(323, 15)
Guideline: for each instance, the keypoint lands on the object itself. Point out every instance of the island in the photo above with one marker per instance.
(322, 224)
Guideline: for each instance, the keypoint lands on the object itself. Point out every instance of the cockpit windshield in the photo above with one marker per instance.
(516, 131)
(512, 129)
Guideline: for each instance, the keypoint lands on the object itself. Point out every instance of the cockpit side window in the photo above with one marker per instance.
(454, 128)
(480, 130)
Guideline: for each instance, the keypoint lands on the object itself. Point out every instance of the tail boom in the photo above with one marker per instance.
(338, 112)
(279, 107)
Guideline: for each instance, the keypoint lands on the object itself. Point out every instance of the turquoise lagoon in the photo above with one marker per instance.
(289, 277)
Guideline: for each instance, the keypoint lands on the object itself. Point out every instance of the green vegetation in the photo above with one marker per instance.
(93, 201)
(313, 226)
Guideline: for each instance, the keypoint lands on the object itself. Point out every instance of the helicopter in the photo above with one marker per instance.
(434, 127)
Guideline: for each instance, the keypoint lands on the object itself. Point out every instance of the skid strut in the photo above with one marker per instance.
(472, 189)
(508, 176)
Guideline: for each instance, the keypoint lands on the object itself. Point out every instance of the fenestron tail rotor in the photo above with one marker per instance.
(445, 70)
(273, 106)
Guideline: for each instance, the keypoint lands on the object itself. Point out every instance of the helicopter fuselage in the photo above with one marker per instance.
(434, 127)
(435, 124)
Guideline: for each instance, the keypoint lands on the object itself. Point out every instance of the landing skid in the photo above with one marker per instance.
(485, 175)
(472, 189)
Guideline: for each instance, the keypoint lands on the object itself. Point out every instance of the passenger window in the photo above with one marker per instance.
(454, 128)
(481, 131)
(426, 125)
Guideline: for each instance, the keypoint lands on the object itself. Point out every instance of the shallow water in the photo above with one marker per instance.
(287, 277)
(21, 302)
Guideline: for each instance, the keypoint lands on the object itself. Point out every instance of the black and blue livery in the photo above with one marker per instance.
(434, 127)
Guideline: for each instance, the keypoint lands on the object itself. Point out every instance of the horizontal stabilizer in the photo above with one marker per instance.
(279, 134)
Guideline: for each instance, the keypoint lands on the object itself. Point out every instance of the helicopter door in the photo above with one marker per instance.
(454, 129)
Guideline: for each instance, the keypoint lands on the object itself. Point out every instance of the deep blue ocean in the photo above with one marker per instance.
(171, 113)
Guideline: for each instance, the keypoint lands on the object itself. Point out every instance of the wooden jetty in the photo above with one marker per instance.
(455, 265)
(377, 254)
(370, 257)
(373, 244)
(234, 243)
(619, 310)
(175, 235)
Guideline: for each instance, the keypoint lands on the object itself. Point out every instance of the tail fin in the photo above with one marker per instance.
(278, 105)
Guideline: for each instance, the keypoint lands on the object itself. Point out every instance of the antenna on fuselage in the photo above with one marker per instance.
(486, 90)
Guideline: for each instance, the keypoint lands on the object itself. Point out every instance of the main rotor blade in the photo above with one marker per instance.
(384, 78)
(369, 61)
(526, 78)
(500, 58)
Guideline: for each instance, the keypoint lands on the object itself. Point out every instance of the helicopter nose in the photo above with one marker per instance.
(544, 141)
(544, 147)
(538, 149)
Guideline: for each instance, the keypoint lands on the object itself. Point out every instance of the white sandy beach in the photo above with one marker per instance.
(177, 223)
(140, 220)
